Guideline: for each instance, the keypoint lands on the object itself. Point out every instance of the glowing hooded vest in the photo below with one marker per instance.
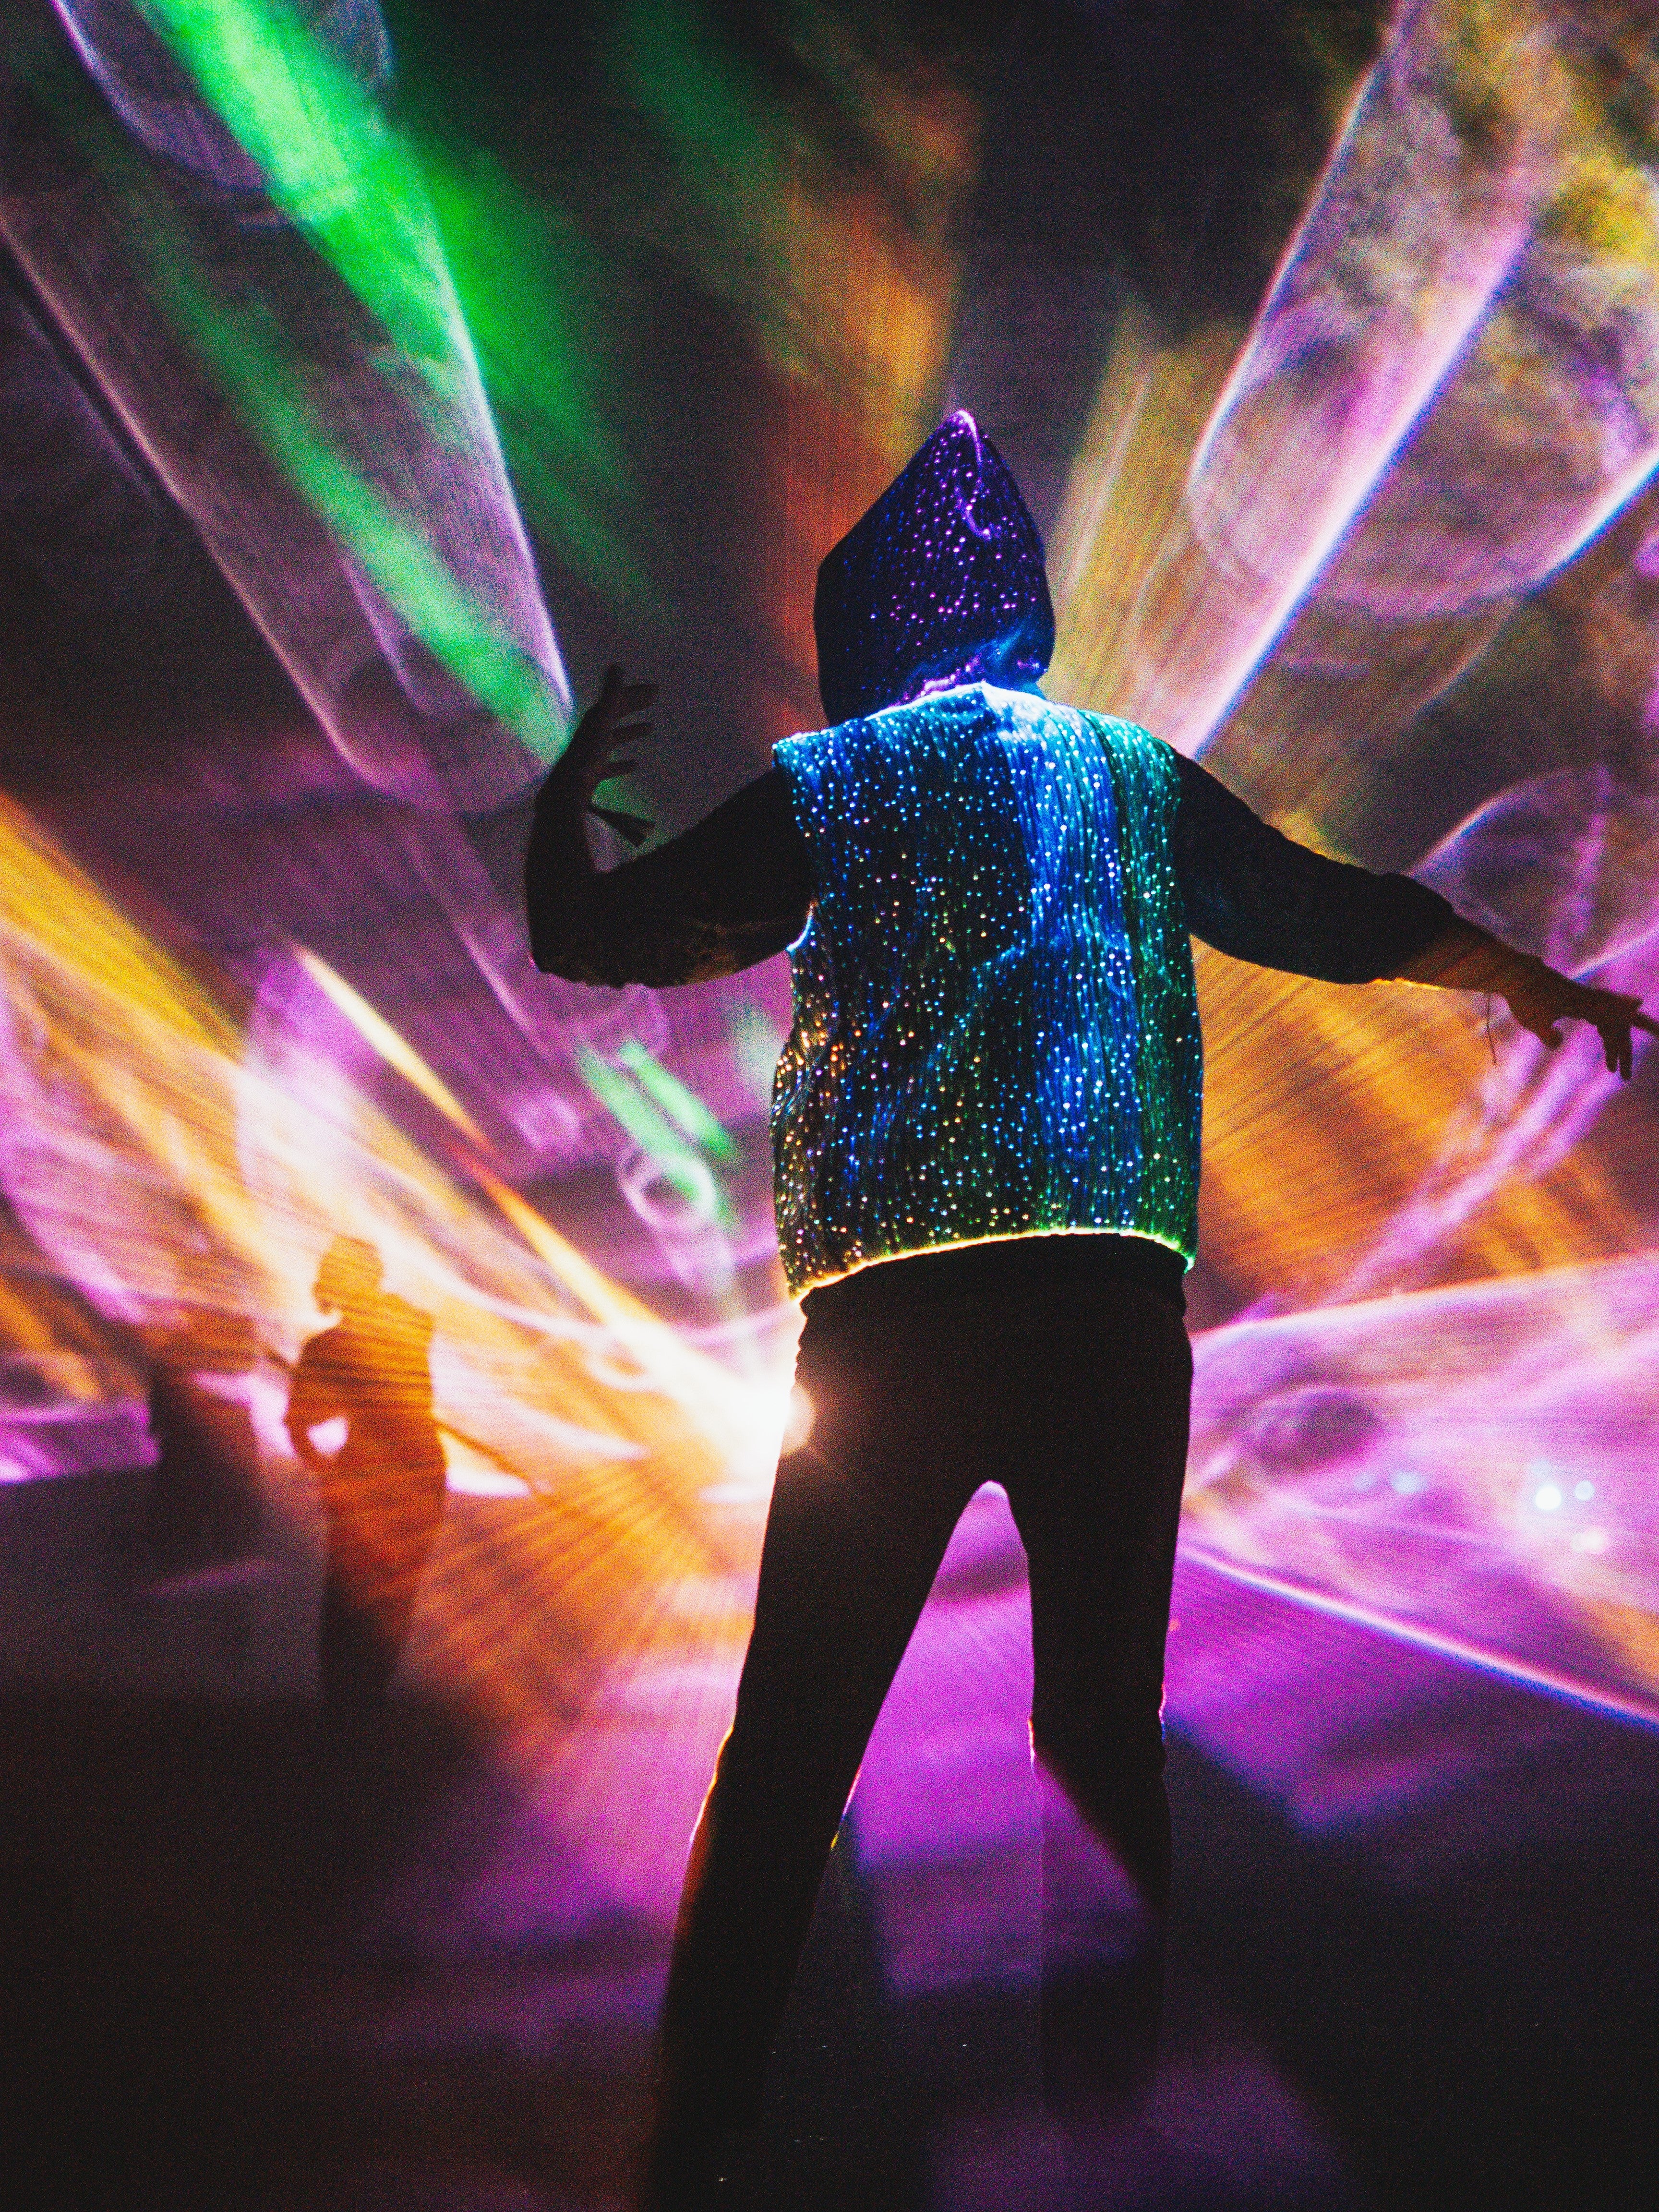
(996, 1029)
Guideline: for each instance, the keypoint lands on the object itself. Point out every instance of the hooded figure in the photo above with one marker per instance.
(941, 583)
(996, 1025)
(985, 1127)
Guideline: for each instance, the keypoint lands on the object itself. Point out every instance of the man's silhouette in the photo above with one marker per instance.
(383, 1490)
(985, 1135)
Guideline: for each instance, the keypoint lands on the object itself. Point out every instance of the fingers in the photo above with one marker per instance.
(630, 733)
(1620, 1016)
(611, 722)
(1618, 1048)
(634, 828)
(621, 715)
(1541, 1021)
(620, 699)
(606, 708)
(1615, 1015)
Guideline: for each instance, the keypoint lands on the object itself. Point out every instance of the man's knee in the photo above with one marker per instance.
(1116, 1781)
(1101, 1755)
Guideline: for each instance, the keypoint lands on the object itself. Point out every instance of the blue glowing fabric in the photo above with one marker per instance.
(941, 583)
(996, 1027)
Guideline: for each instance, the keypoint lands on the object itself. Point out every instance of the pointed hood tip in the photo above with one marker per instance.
(940, 582)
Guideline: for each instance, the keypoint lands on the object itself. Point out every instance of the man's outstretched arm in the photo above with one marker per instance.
(732, 891)
(1251, 892)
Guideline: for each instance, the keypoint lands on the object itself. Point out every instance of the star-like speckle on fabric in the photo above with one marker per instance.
(996, 1026)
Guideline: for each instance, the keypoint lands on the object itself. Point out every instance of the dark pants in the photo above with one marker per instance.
(1037, 1366)
(358, 1648)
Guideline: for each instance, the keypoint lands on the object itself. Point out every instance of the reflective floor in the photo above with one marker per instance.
(251, 1963)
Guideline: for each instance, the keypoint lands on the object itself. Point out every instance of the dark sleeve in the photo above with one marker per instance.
(730, 892)
(1251, 892)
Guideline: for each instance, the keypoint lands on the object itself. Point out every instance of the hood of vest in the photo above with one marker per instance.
(941, 583)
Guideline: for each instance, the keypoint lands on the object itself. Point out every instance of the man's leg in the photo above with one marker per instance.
(1097, 1500)
(860, 1520)
(378, 1551)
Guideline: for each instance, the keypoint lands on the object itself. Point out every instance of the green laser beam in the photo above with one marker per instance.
(397, 558)
(683, 1106)
(686, 1170)
(330, 159)
(270, 394)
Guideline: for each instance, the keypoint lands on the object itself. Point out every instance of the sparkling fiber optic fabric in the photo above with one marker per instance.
(996, 1026)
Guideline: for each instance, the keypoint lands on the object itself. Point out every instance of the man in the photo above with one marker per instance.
(986, 1138)
(383, 1489)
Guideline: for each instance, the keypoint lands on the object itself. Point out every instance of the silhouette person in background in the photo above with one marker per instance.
(383, 1490)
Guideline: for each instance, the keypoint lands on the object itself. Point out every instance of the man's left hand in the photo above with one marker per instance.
(1541, 1000)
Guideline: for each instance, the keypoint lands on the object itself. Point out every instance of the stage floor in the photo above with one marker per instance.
(252, 1967)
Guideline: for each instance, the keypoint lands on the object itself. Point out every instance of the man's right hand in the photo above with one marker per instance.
(611, 725)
